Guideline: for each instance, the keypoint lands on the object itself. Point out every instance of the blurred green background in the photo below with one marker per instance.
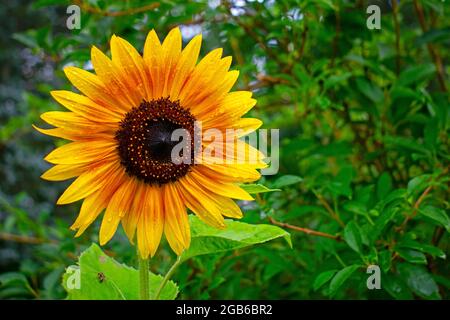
(364, 133)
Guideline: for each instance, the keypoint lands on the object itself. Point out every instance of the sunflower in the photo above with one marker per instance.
(119, 127)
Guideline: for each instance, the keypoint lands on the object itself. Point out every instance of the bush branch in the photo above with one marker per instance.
(304, 230)
(88, 8)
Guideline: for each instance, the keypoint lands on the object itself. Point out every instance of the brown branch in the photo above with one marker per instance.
(4, 236)
(333, 214)
(437, 235)
(88, 8)
(431, 49)
(304, 230)
(263, 81)
(416, 208)
(23, 239)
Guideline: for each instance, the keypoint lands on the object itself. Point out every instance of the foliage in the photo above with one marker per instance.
(364, 146)
(103, 278)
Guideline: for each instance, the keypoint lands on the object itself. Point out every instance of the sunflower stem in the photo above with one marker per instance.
(167, 277)
(143, 279)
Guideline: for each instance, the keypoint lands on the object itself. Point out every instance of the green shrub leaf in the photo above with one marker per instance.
(352, 235)
(257, 188)
(437, 215)
(287, 180)
(341, 277)
(323, 278)
(419, 280)
(236, 235)
(103, 278)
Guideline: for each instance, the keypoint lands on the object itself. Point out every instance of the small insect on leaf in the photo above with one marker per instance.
(101, 277)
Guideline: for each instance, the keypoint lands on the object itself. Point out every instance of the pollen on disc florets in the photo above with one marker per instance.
(145, 144)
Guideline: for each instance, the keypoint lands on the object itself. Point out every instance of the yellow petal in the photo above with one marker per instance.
(247, 125)
(215, 205)
(115, 80)
(85, 107)
(88, 182)
(219, 187)
(75, 135)
(229, 207)
(90, 209)
(118, 206)
(233, 172)
(153, 59)
(199, 202)
(152, 45)
(171, 50)
(131, 65)
(185, 65)
(61, 172)
(94, 204)
(82, 152)
(204, 80)
(151, 223)
(176, 223)
(233, 151)
(62, 133)
(208, 105)
(130, 220)
(237, 103)
(90, 85)
(201, 76)
(72, 121)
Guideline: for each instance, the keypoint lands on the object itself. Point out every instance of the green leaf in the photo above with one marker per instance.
(370, 90)
(415, 74)
(355, 207)
(395, 195)
(323, 278)
(412, 256)
(394, 285)
(12, 278)
(419, 280)
(341, 277)
(385, 259)
(418, 184)
(383, 220)
(103, 278)
(437, 35)
(406, 144)
(341, 184)
(27, 38)
(334, 80)
(287, 180)
(437, 215)
(206, 239)
(425, 248)
(384, 185)
(404, 92)
(352, 235)
(257, 188)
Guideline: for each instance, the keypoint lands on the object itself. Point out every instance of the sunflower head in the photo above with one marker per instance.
(121, 150)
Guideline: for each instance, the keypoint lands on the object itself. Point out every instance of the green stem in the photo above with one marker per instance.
(338, 258)
(167, 277)
(143, 279)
